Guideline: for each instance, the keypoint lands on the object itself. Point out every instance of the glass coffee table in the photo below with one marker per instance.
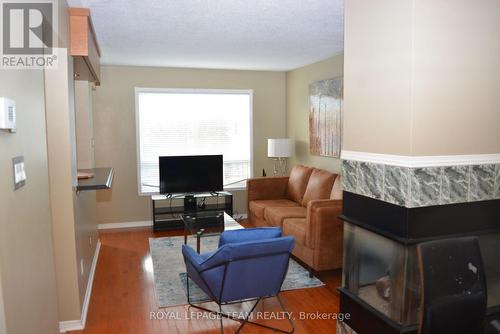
(200, 224)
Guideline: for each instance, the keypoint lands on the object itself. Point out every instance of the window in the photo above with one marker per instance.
(193, 122)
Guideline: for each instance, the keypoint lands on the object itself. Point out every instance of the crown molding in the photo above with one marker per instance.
(421, 161)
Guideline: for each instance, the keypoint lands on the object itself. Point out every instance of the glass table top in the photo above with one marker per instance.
(213, 222)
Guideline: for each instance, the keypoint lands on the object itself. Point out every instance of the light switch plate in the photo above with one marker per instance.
(19, 172)
(7, 114)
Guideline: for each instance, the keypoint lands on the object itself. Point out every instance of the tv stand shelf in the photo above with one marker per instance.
(166, 210)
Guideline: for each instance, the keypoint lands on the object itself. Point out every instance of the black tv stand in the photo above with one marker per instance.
(166, 209)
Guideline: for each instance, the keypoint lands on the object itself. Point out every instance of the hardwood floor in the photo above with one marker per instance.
(123, 296)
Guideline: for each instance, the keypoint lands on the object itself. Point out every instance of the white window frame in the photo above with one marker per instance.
(139, 90)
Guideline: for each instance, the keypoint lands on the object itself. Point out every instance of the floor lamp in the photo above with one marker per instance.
(280, 150)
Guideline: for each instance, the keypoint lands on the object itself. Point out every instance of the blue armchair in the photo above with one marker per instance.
(250, 264)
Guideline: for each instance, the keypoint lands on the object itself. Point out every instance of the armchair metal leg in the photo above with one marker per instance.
(248, 316)
(245, 320)
(287, 313)
(269, 327)
(220, 317)
(187, 289)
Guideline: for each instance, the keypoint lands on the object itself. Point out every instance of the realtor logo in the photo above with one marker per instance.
(28, 34)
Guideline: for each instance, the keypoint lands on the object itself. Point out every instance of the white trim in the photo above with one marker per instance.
(75, 325)
(250, 93)
(193, 90)
(90, 282)
(71, 325)
(137, 90)
(421, 161)
(109, 226)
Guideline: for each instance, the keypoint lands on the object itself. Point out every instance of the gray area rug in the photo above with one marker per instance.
(170, 271)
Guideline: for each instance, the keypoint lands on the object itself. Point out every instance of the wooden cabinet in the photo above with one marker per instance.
(83, 46)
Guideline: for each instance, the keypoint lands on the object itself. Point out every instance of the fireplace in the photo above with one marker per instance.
(381, 285)
(381, 273)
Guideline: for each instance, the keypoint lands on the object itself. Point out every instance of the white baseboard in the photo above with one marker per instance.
(421, 161)
(109, 226)
(70, 325)
(75, 325)
(90, 283)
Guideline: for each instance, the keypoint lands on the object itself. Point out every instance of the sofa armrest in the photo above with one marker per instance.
(324, 203)
(267, 187)
(320, 212)
(324, 231)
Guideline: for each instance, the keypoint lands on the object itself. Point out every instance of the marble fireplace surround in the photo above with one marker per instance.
(422, 181)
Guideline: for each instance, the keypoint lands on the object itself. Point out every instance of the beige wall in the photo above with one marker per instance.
(86, 238)
(114, 126)
(456, 77)
(3, 327)
(377, 82)
(84, 202)
(73, 215)
(27, 278)
(84, 125)
(297, 109)
(60, 134)
(422, 77)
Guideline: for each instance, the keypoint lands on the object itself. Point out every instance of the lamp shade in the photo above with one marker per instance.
(280, 148)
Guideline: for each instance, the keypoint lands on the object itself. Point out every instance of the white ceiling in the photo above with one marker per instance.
(229, 34)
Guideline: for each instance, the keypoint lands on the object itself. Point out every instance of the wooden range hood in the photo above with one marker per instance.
(83, 46)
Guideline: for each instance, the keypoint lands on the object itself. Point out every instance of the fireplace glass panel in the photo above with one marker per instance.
(489, 244)
(383, 273)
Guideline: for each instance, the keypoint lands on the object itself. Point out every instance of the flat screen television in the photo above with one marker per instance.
(191, 174)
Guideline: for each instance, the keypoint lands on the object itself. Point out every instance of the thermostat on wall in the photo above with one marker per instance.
(7, 114)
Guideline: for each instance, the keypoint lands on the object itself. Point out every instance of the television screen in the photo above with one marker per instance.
(190, 174)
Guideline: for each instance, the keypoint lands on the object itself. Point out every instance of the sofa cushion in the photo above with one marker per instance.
(297, 182)
(337, 189)
(257, 207)
(275, 215)
(295, 227)
(256, 221)
(319, 186)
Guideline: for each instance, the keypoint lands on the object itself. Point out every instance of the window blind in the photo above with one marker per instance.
(188, 122)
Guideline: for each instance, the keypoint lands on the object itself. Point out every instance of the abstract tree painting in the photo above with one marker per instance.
(325, 117)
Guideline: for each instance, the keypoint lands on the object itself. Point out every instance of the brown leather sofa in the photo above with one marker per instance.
(305, 205)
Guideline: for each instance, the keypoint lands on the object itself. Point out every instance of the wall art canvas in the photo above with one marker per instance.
(325, 117)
